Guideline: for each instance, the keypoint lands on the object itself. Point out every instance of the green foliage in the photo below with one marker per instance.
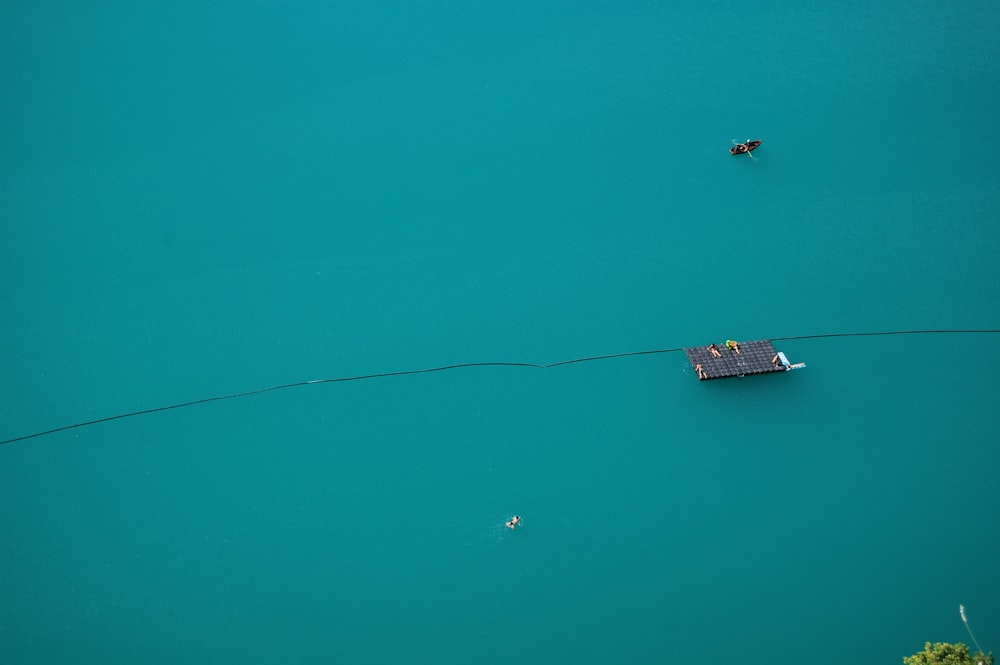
(943, 653)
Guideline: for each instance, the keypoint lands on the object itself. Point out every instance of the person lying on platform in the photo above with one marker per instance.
(701, 372)
(735, 346)
(776, 361)
(714, 350)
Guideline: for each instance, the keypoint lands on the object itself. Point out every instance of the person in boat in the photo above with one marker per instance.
(740, 148)
(713, 348)
(701, 372)
(514, 521)
(735, 346)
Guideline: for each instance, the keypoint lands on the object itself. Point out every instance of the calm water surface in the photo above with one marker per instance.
(198, 200)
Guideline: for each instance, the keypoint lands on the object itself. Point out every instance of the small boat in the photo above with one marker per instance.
(744, 148)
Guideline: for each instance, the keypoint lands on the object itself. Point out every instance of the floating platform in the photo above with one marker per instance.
(758, 357)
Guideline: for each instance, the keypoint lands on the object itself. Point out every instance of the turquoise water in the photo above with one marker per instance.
(199, 199)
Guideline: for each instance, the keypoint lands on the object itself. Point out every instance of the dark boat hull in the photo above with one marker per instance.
(749, 145)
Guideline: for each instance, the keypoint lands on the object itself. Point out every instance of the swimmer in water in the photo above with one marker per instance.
(514, 521)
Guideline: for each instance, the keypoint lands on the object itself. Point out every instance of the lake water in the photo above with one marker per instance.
(200, 199)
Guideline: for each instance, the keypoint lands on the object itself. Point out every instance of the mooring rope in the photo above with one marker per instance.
(444, 368)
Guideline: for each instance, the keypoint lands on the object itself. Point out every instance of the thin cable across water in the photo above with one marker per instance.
(382, 375)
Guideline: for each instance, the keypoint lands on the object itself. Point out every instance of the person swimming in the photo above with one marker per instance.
(514, 521)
